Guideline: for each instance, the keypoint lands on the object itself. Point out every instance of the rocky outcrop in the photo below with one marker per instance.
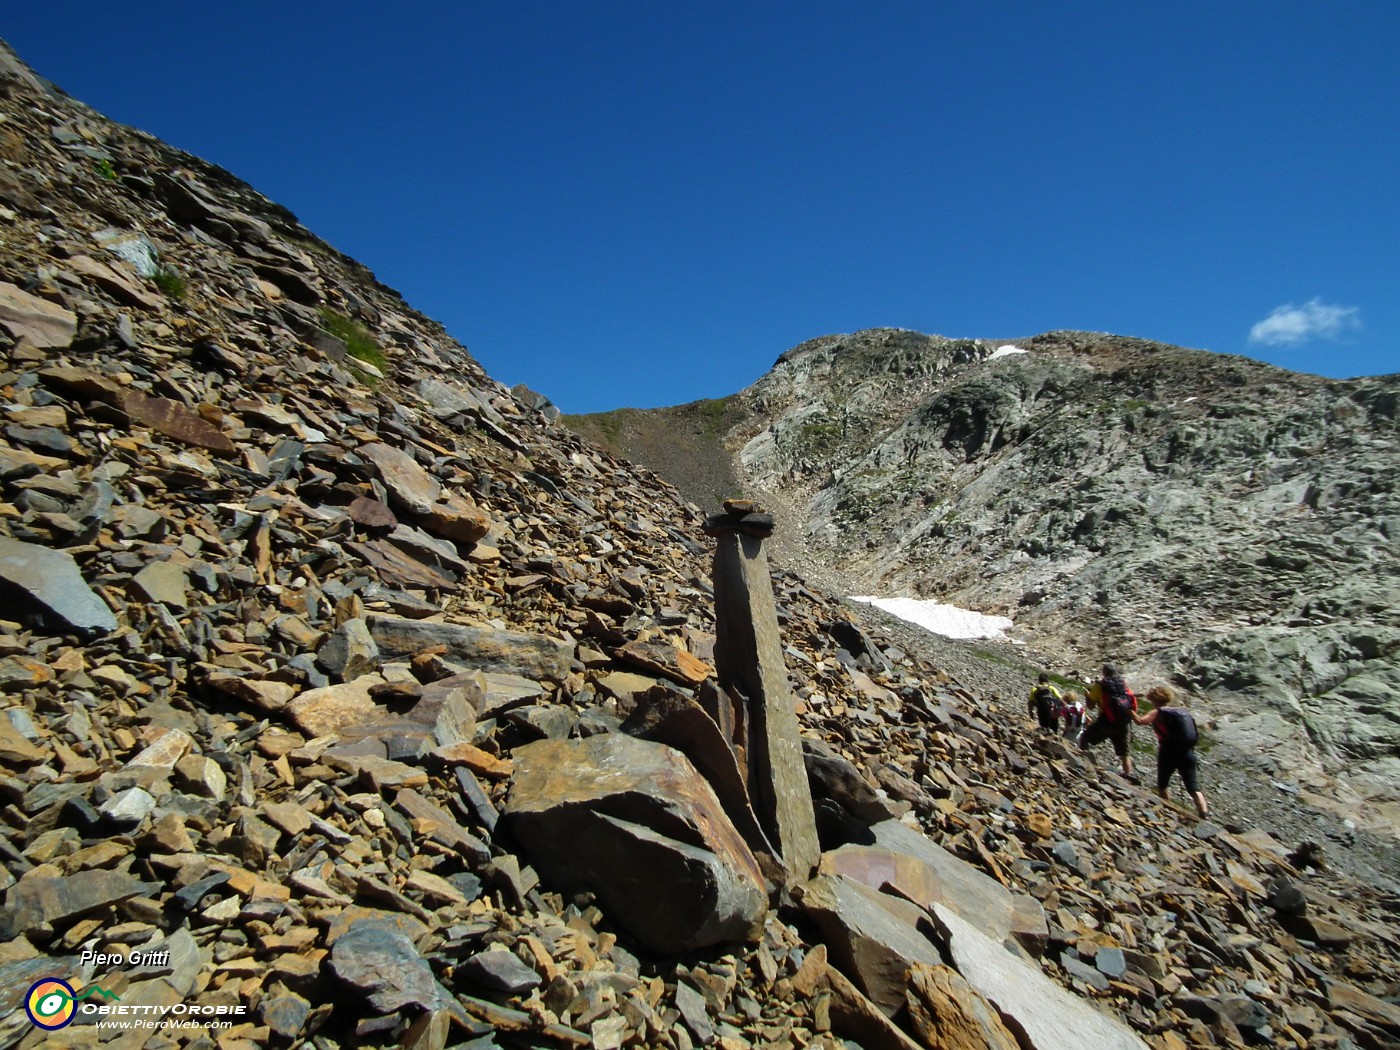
(1207, 519)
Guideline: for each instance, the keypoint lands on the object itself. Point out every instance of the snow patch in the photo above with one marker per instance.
(1005, 351)
(947, 620)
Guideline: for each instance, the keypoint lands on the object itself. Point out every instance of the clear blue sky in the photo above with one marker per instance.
(642, 203)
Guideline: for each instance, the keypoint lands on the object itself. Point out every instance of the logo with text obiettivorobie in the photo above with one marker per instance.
(52, 1004)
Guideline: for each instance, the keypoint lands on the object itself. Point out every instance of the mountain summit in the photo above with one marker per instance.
(1227, 523)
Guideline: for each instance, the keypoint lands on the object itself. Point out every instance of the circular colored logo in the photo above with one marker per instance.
(49, 1003)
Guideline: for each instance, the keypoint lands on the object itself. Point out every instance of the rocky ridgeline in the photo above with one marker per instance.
(357, 700)
(1212, 520)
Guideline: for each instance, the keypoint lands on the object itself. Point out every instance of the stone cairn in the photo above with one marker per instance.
(361, 704)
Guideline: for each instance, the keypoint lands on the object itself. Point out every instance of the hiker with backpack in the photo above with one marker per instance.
(1176, 745)
(1045, 703)
(1116, 704)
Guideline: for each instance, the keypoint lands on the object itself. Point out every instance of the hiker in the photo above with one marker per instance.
(1045, 703)
(1073, 714)
(1116, 704)
(1176, 745)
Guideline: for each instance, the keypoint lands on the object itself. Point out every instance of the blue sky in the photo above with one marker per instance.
(644, 203)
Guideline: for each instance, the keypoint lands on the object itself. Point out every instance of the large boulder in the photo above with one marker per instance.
(634, 822)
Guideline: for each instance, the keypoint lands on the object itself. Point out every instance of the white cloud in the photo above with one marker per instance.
(1290, 325)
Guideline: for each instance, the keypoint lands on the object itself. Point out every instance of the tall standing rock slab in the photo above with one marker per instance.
(749, 656)
(47, 585)
(635, 823)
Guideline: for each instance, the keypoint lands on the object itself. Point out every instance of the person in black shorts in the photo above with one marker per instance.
(1045, 703)
(1117, 705)
(1176, 745)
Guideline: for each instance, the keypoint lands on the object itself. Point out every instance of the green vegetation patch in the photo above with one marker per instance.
(359, 343)
(169, 282)
(713, 413)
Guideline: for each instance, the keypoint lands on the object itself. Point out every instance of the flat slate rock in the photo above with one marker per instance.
(1050, 1017)
(39, 901)
(483, 648)
(49, 584)
(43, 323)
(384, 965)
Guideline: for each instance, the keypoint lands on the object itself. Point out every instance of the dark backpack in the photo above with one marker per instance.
(1119, 701)
(1178, 726)
(1046, 703)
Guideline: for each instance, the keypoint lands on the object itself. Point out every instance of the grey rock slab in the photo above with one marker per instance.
(483, 648)
(1082, 971)
(409, 485)
(446, 401)
(46, 583)
(285, 1015)
(349, 651)
(383, 965)
(1111, 962)
(128, 808)
(163, 581)
(691, 1005)
(1044, 1015)
(501, 971)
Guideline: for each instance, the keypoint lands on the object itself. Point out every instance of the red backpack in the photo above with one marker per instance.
(1118, 700)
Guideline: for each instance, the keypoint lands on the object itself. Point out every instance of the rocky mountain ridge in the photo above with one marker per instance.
(1209, 518)
(306, 623)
